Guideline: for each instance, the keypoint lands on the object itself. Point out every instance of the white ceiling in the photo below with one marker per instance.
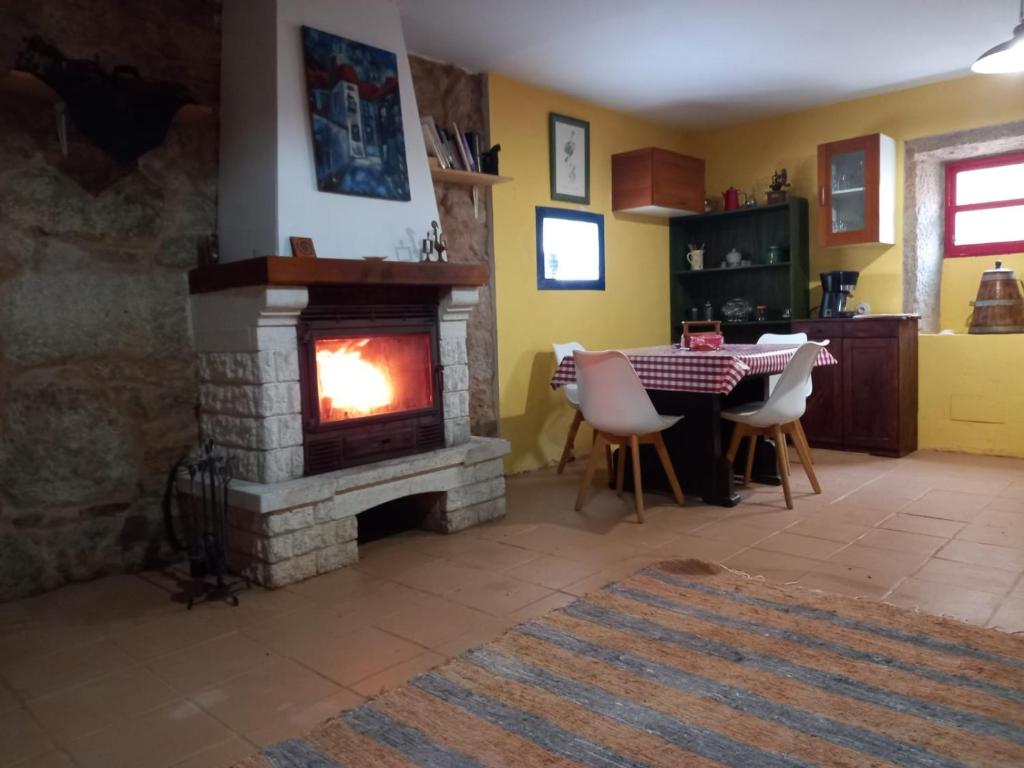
(707, 62)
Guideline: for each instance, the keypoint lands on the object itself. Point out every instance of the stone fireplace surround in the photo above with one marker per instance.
(283, 527)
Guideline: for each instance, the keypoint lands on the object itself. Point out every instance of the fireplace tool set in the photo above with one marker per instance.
(201, 522)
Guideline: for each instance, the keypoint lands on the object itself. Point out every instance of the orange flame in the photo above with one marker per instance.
(349, 384)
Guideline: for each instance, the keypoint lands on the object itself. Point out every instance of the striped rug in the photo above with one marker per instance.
(685, 664)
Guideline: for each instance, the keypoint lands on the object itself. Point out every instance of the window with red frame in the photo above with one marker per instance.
(985, 206)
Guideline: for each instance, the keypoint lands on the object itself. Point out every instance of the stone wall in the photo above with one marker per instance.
(449, 94)
(97, 379)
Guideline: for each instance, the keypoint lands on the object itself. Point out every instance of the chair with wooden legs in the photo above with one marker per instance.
(778, 417)
(617, 406)
(572, 396)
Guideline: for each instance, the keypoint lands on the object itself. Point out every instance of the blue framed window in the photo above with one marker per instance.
(570, 250)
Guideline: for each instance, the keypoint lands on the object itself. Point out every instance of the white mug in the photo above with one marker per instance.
(696, 259)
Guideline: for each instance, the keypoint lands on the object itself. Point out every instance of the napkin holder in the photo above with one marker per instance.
(702, 335)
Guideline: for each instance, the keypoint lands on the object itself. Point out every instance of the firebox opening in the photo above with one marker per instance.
(373, 375)
(404, 514)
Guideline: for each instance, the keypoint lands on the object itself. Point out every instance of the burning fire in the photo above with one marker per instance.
(349, 384)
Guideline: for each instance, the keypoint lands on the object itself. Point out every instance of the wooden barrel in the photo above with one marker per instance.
(999, 307)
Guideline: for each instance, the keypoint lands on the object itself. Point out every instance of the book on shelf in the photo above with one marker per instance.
(433, 144)
(460, 143)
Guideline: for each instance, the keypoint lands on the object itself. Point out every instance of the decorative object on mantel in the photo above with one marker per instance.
(731, 198)
(999, 307)
(119, 111)
(777, 189)
(569, 154)
(435, 245)
(302, 247)
(355, 117)
(200, 526)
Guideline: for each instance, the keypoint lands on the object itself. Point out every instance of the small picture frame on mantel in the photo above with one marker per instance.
(302, 247)
(569, 150)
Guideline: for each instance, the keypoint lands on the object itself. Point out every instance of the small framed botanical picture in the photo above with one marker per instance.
(569, 148)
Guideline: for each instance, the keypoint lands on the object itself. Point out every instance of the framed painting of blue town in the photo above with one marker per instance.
(356, 117)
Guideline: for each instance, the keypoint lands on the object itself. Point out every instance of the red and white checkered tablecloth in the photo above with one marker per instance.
(681, 370)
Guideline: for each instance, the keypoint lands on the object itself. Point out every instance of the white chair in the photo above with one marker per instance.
(572, 395)
(617, 406)
(783, 338)
(779, 416)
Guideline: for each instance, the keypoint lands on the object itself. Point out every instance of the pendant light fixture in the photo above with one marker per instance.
(1005, 57)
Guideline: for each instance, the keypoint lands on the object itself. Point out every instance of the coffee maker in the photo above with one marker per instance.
(836, 288)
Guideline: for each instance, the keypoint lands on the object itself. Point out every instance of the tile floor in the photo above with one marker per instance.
(112, 674)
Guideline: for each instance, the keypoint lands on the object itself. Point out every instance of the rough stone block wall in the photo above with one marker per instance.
(97, 375)
(448, 94)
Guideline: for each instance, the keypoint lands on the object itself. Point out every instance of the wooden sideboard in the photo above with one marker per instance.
(869, 401)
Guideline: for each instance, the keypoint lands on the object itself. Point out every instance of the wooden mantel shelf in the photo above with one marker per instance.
(287, 270)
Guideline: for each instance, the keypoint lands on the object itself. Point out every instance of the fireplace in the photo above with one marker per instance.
(371, 382)
(333, 387)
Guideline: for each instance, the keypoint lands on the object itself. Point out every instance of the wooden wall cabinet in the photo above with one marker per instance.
(656, 182)
(869, 401)
(857, 191)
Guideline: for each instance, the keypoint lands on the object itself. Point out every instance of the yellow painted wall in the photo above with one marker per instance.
(971, 398)
(745, 155)
(634, 308)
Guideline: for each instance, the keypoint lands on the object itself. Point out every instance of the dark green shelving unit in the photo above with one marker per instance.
(750, 231)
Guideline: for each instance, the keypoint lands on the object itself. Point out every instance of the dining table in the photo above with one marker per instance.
(699, 385)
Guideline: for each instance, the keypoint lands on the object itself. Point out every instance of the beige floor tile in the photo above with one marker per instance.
(431, 622)
(495, 556)
(354, 656)
(172, 632)
(542, 607)
(1009, 616)
(1012, 504)
(949, 505)
(929, 526)
(499, 595)
(392, 562)
(765, 518)
(112, 602)
(1007, 558)
(999, 535)
(208, 663)
(849, 580)
(481, 634)
(39, 675)
(698, 548)
(901, 541)
(7, 698)
(773, 566)
(55, 759)
(957, 602)
(336, 586)
(224, 755)
(734, 533)
(882, 560)
(21, 737)
(882, 500)
(439, 577)
(392, 677)
(849, 514)
(158, 739)
(828, 528)
(39, 637)
(970, 576)
(84, 709)
(300, 720)
(259, 698)
(292, 630)
(799, 546)
(552, 572)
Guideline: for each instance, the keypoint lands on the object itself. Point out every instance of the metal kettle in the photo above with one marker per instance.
(731, 196)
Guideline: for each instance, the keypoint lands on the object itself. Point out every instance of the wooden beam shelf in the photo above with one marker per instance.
(466, 178)
(291, 271)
